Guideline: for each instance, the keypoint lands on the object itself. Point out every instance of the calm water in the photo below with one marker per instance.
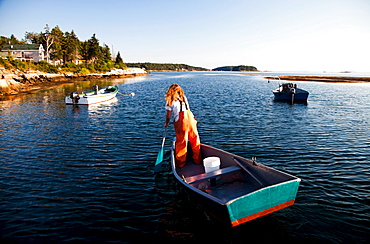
(85, 174)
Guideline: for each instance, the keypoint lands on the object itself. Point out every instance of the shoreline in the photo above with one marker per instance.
(315, 78)
(16, 82)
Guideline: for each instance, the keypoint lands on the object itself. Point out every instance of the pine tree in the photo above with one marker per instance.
(93, 49)
(13, 40)
(106, 56)
(119, 59)
(57, 48)
(71, 46)
(34, 38)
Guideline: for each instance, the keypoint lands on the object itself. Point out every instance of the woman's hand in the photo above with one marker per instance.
(168, 118)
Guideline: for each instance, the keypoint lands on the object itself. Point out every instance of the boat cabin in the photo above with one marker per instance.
(286, 87)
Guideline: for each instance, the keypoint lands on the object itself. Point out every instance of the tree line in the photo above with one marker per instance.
(65, 47)
(165, 67)
(236, 68)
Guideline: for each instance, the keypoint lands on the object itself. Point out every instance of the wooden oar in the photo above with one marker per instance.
(158, 162)
(241, 164)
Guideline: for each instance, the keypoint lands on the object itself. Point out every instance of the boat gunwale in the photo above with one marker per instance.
(244, 159)
(298, 90)
(92, 94)
(264, 188)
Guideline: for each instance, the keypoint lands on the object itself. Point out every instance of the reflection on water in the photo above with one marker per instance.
(85, 173)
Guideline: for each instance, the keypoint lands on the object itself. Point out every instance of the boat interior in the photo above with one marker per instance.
(235, 177)
(103, 90)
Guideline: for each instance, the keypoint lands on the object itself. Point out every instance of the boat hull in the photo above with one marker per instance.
(262, 202)
(235, 198)
(299, 96)
(103, 95)
(285, 97)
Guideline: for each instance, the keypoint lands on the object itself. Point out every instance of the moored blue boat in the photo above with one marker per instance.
(288, 92)
(240, 190)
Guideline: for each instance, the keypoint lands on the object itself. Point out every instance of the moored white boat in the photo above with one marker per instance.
(93, 97)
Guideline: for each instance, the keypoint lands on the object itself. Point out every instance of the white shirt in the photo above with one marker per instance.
(176, 108)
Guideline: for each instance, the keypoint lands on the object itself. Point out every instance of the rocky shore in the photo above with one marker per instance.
(14, 82)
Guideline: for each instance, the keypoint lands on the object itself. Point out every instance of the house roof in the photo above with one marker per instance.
(21, 47)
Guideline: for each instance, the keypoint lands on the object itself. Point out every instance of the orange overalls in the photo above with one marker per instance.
(186, 130)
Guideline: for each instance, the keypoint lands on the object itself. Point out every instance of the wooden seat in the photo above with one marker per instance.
(213, 174)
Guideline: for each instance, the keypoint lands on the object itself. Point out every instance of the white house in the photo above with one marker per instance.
(25, 52)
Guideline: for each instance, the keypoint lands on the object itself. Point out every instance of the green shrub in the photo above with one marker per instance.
(6, 64)
(18, 64)
(48, 68)
(84, 71)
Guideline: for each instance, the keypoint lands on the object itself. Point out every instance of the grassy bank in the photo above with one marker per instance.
(80, 69)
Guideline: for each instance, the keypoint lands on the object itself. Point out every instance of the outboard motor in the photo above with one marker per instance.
(96, 89)
(75, 97)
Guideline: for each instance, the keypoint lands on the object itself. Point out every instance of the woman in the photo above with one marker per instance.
(185, 125)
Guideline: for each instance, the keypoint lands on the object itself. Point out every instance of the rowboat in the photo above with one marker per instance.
(239, 191)
(92, 97)
(288, 92)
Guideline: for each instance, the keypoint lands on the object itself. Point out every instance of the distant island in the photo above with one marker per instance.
(165, 67)
(184, 67)
(236, 68)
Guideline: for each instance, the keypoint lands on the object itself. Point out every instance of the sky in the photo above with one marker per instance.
(272, 35)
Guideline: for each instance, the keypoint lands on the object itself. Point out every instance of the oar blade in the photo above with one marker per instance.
(159, 156)
(158, 162)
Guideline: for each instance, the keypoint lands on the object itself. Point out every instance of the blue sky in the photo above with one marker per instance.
(273, 35)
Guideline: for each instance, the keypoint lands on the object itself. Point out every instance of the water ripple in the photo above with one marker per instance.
(85, 174)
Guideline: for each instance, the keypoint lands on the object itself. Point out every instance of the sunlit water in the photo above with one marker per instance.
(85, 174)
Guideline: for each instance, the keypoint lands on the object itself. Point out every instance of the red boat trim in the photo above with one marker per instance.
(262, 213)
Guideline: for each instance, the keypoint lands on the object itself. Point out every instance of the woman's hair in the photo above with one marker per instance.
(174, 93)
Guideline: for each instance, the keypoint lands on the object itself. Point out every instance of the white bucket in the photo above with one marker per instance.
(211, 164)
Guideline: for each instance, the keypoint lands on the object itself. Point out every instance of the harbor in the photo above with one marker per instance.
(85, 173)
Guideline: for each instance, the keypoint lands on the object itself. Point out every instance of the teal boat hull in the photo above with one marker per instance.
(262, 202)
